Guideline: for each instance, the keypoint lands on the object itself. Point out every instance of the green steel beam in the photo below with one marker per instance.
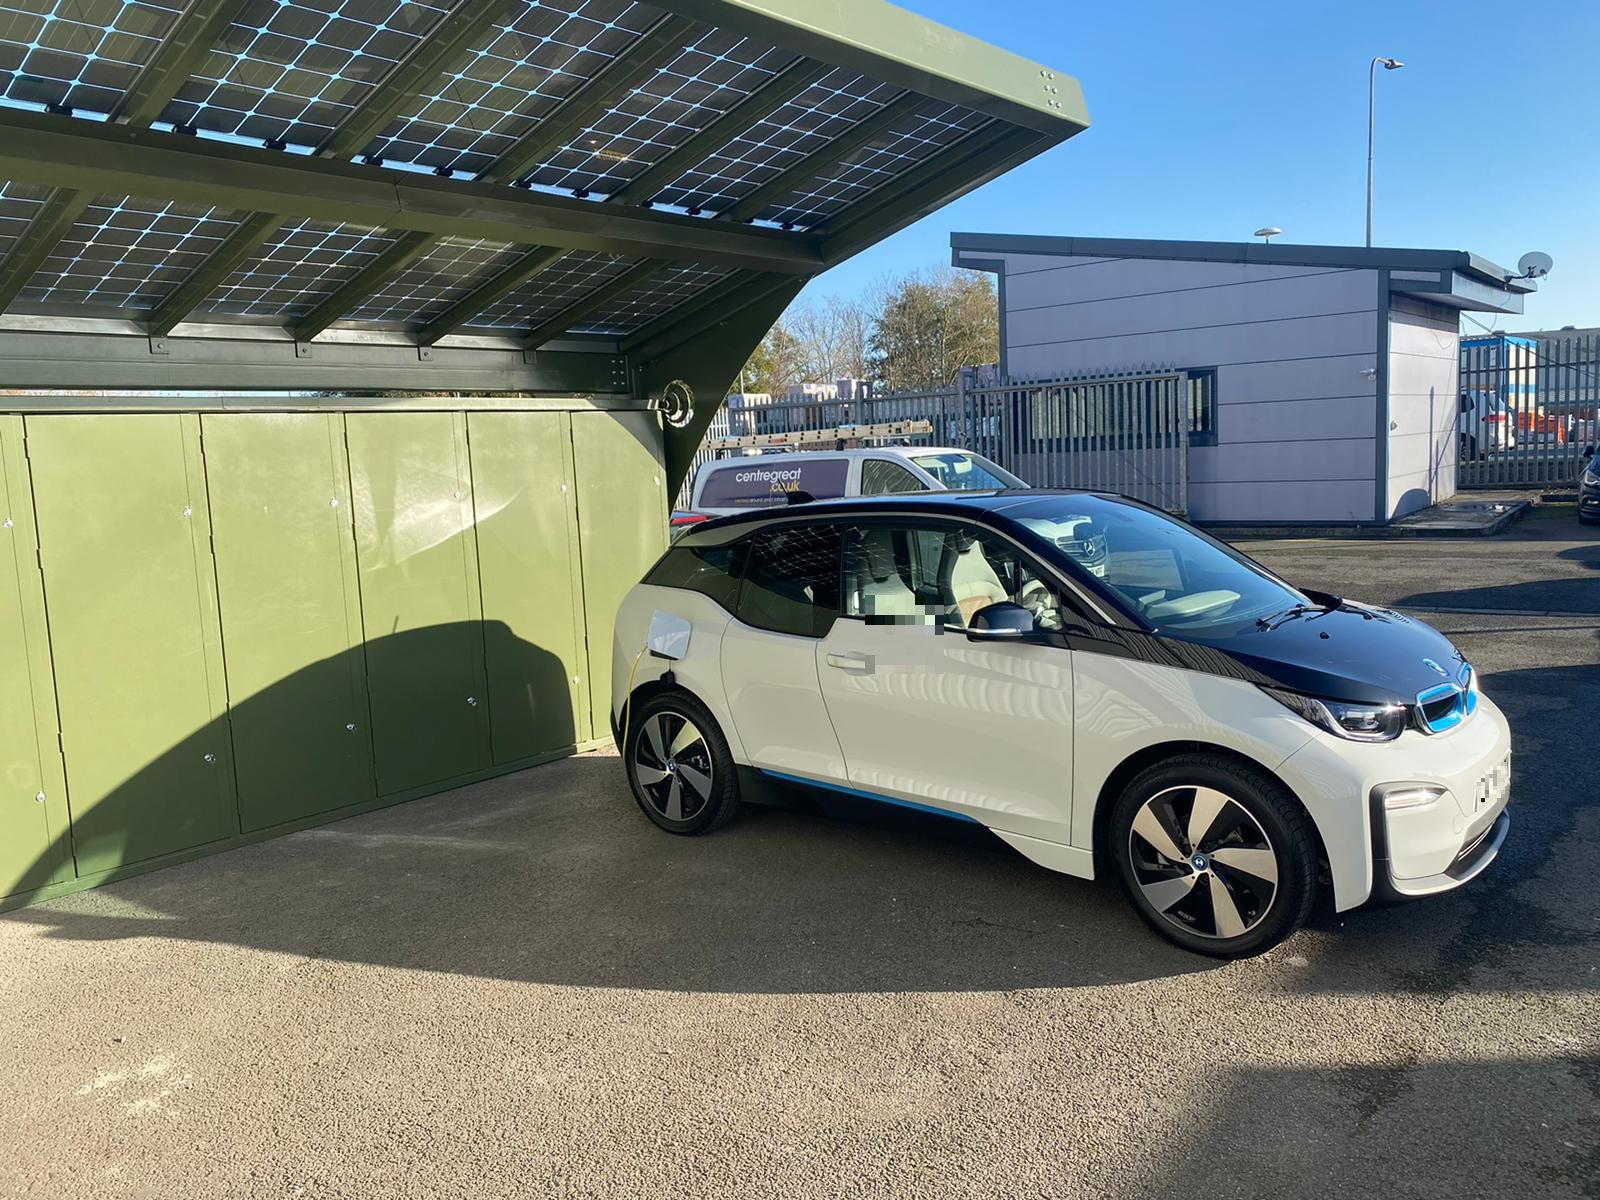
(492, 291)
(56, 216)
(240, 246)
(193, 33)
(455, 34)
(564, 320)
(750, 206)
(953, 172)
(366, 282)
(623, 75)
(756, 107)
(885, 42)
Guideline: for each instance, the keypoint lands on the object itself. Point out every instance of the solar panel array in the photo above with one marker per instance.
(288, 74)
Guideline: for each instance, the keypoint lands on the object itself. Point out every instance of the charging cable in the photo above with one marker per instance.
(627, 702)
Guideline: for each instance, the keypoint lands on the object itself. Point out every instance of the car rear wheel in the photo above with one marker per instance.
(679, 766)
(1216, 856)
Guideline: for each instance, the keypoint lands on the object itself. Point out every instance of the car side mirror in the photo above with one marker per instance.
(1002, 622)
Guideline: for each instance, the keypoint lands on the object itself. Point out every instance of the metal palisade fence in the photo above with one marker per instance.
(1528, 407)
(1126, 433)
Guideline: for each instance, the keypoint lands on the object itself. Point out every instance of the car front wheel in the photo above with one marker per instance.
(679, 765)
(1215, 855)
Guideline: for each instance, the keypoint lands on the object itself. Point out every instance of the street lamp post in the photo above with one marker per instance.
(1389, 64)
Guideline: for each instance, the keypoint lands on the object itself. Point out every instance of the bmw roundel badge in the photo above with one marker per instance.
(1435, 667)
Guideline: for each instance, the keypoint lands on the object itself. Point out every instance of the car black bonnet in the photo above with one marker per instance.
(1351, 652)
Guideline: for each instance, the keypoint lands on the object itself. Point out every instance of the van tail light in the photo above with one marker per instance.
(1495, 418)
(681, 519)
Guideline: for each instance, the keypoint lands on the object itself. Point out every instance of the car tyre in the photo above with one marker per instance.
(1216, 856)
(679, 766)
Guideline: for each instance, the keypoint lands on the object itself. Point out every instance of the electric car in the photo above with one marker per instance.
(1105, 688)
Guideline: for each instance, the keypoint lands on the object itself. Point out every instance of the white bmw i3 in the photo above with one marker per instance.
(1105, 688)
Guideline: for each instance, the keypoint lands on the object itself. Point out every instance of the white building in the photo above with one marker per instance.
(1336, 367)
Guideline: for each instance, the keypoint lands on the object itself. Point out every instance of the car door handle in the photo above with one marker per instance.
(851, 662)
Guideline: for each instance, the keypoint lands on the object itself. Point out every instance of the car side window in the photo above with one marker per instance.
(939, 574)
(712, 571)
(880, 477)
(791, 580)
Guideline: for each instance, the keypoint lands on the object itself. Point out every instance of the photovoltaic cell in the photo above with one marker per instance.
(436, 280)
(301, 264)
(291, 71)
(565, 281)
(128, 253)
(653, 298)
(824, 111)
(83, 54)
(478, 110)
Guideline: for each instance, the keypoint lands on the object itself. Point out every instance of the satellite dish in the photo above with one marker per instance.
(1535, 264)
(1267, 233)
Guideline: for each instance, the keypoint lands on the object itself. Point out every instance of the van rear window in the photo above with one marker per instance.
(750, 483)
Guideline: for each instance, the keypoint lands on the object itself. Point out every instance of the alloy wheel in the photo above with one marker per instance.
(1203, 862)
(672, 762)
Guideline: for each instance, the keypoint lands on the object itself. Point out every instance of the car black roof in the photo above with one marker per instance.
(940, 504)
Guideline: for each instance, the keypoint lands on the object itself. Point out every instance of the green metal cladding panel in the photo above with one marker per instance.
(291, 617)
(420, 608)
(526, 513)
(622, 526)
(34, 846)
(123, 537)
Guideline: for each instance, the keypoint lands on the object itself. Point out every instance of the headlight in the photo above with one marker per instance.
(1357, 722)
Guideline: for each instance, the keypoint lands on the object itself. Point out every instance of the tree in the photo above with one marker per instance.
(776, 362)
(931, 325)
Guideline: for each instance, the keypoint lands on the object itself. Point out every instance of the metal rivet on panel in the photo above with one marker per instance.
(8, 519)
(658, 480)
(334, 503)
(458, 495)
(40, 798)
(472, 700)
(563, 488)
(350, 728)
(187, 511)
(211, 758)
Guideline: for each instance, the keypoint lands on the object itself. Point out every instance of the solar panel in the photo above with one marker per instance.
(477, 110)
(18, 205)
(932, 128)
(653, 298)
(81, 54)
(291, 71)
(567, 280)
(436, 280)
(127, 253)
(803, 126)
(301, 264)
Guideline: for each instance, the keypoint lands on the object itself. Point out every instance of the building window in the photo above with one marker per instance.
(1202, 406)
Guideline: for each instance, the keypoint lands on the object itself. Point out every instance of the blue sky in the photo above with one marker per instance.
(1211, 119)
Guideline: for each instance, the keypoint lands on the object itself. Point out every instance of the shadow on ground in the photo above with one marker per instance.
(553, 875)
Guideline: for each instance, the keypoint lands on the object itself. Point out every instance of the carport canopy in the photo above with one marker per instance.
(546, 196)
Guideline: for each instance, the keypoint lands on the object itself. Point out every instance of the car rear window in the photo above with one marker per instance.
(751, 483)
(710, 570)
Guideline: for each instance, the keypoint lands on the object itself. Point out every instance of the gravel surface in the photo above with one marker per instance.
(521, 988)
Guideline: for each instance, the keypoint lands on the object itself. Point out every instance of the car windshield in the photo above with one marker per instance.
(1174, 577)
(960, 472)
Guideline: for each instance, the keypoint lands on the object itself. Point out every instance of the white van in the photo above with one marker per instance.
(736, 485)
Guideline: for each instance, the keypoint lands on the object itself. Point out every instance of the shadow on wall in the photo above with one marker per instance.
(302, 748)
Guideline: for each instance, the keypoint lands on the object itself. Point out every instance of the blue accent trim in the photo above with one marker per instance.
(850, 791)
(1452, 718)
